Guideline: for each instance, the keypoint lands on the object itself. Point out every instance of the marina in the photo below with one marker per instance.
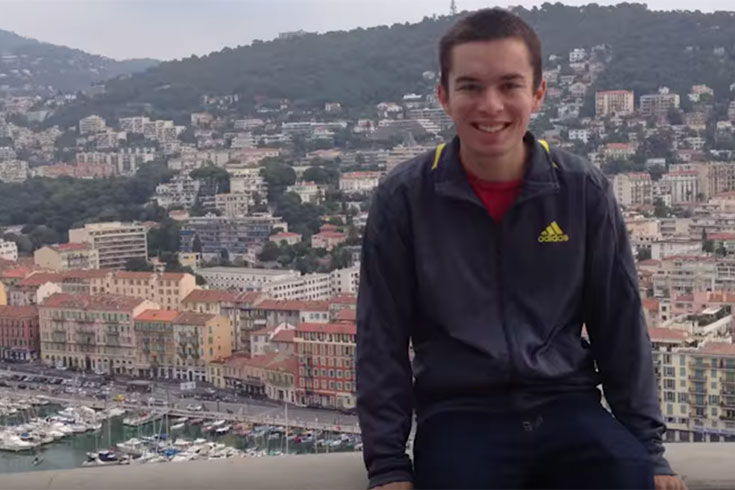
(41, 434)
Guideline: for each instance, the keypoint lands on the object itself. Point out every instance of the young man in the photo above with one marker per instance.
(489, 255)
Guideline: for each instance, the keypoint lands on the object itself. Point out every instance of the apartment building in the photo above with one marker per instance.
(182, 190)
(239, 308)
(168, 289)
(91, 124)
(614, 103)
(215, 234)
(244, 278)
(65, 256)
(8, 250)
(19, 333)
(359, 181)
(115, 242)
(326, 364)
(234, 205)
(91, 332)
(633, 189)
(200, 338)
(659, 104)
(696, 382)
(683, 185)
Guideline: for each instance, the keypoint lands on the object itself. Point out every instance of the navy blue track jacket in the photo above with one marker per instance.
(494, 310)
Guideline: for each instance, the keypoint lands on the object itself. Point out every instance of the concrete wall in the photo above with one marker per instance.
(703, 467)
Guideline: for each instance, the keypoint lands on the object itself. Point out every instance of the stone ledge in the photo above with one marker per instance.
(705, 466)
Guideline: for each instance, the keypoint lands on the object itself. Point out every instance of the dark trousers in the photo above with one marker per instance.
(572, 442)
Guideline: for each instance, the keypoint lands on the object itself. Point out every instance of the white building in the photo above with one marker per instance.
(245, 278)
(91, 124)
(577, 54)
(672, 247)
(614, 102)
(234, 204)
(182, 190)
(116, 242)
(633, 189)
(579, 135)
(307, 191)
(133, 124)
(683, 185)
(8, 250)
(314, 287)
(359, 181)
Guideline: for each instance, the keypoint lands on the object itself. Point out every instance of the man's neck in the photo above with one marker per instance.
(508, 168)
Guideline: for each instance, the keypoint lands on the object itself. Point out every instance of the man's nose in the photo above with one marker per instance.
(492, 101)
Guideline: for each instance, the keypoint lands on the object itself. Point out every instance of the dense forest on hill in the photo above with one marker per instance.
(365, 66)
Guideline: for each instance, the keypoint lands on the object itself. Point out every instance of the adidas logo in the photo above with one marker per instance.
(553, 233)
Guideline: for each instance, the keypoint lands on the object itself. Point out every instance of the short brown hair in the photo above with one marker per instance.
(489, 25)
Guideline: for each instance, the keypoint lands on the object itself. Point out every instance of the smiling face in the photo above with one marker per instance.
(490, 97)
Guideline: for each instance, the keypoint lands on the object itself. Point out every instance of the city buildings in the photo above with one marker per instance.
(65, 256)
(614, 103)
(115, 242)
(92, 332)
(8, 250)
(19, 333)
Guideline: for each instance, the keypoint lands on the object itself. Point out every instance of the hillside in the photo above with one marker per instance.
(369, 65)
(28, 66)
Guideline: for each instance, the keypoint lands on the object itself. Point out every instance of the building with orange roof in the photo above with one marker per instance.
(155, 346)
(244, 374)
(19, 333)
(64, 256)
(34, 288)
(91, 332)
(168, 289)
(238, 308)
(326, 364)
(327, 239)
(261, 339)
(200, 338)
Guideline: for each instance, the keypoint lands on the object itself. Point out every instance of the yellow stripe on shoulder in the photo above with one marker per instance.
(437, 154)
(545, 145)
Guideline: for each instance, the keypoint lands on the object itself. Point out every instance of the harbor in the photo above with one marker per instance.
(41, 433)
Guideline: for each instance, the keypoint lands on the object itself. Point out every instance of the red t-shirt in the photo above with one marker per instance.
(496, 196)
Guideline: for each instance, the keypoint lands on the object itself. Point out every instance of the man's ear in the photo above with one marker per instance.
(443, 95)
(538, 96)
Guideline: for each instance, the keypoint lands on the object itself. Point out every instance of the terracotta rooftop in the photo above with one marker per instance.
(86, 273)
(40, 278)
(667, 334)
(346, 315)
(18, 311)
(717, 349)
(284, 336)
(650, 304)
(97, 302)
(157, 316)
(66, 247)
(336, 328)
(192, 318)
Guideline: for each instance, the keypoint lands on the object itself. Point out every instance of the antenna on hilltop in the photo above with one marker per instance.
(453, 8)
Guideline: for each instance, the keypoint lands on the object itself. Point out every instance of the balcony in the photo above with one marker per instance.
(703, 466)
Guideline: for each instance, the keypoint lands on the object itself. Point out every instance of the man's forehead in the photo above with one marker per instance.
(491, 59)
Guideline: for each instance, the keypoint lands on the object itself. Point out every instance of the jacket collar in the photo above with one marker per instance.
(539, 178)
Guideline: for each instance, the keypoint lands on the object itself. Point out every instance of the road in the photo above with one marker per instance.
(170, 391)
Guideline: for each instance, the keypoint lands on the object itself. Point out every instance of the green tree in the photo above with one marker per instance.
(138, 265)
(270, 252)
(278, 175)
(213, 177)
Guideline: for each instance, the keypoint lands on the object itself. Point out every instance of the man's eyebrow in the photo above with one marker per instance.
(512, 77)
(466, 78)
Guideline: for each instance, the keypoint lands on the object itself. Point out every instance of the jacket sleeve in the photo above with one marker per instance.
(614, 319)
(384, 313)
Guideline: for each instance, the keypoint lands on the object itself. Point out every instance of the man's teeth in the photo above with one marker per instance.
(491, 129)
